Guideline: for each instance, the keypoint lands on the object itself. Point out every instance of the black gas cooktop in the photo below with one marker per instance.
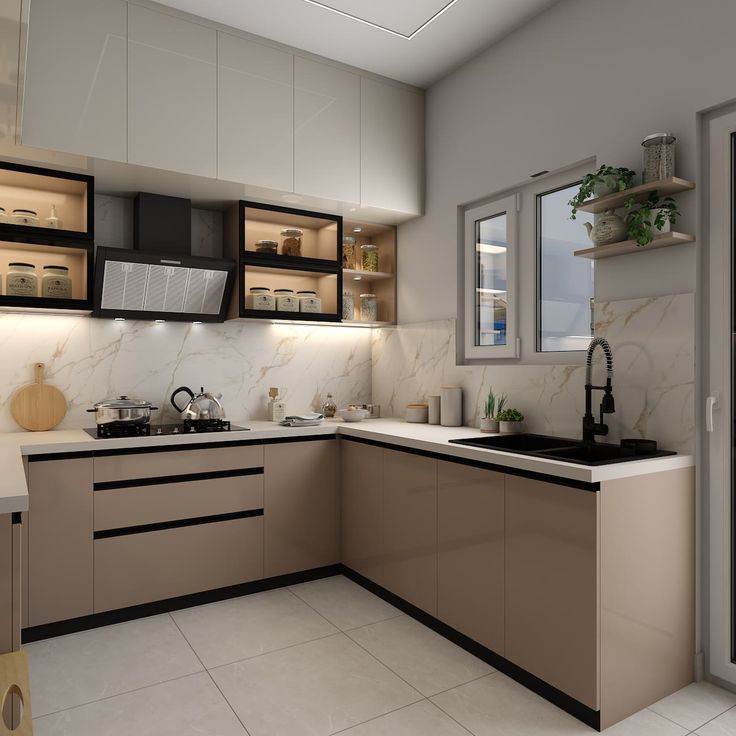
(103, 432)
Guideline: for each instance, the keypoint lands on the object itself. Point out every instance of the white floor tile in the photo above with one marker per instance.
(225, 632)
(420, 719)
(723, 725)
(344, 603)
(423, 658)
(189, 706)
(645, 723)
(695, 704)
(312, 689)
(80, 668)
(497, 706)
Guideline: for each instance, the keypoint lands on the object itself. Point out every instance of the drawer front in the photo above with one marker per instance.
(141, 568)
(177, 462)
(116, 508)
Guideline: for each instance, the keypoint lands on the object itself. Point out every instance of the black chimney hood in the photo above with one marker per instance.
(160, 279)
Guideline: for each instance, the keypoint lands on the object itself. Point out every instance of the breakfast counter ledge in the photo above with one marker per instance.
(422, 437)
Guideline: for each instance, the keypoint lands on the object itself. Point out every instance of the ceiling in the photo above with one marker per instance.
(415, 41)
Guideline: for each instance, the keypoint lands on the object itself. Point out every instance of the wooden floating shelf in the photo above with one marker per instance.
(671, 185)
(361, 323)
(665, 240)
(356, 275)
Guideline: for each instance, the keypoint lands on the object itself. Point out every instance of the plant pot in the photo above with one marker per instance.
(665, 229)
(511, 427)
(488, 424)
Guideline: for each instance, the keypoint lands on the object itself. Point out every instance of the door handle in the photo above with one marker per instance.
(711, 404)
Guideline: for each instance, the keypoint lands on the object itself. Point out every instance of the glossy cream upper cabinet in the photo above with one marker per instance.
(172, 93)
(326, 131)
(255, 121)
(74, 96)
(392, 147)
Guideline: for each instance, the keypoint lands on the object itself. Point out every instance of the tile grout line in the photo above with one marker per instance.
(710, 720)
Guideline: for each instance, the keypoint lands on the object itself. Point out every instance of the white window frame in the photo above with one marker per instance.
(505, 206)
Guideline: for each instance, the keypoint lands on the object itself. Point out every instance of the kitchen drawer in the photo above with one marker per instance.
(151, 504)
(144, 465)
(151, 566)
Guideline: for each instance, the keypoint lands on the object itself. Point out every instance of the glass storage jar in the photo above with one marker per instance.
(348, 306)
(21, 280)
(309, 302)
(291, 244)
(368, 308)
(3, 215)
(348, 252)
(266, 246)
(260, 297)
(286, 301)
(24, 217)
(369, 257)
(658, 157)
(56, 282)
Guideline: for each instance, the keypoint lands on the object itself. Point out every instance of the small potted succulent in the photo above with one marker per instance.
(493, 405)
(605, 180)
(511, 421)
(654, 214)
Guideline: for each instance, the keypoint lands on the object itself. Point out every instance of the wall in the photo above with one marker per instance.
(586, 78)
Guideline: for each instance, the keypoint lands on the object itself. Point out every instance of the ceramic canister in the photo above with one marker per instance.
(451, 406)
(434, 409)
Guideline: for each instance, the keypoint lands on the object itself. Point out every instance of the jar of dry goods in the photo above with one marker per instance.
(309, 302)
(286, 301)
(368, 308)
(291, 244)
(24, 217)
(21, 280)
(658, 157)
(56, 283)
(3, 215)
(348, 252)
(260, 297)
(369, 257)
(348, 306)
(266, 246)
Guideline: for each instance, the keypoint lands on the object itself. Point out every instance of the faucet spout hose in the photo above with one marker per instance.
(594, 343)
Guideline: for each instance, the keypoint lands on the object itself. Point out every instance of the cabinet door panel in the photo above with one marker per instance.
(6, 584)
(362, 509)
(326, 131)
(60, 520)
(301, 506)
(552, 584)
(75, 78)
(172, 93)
(255, 122)
(410, 528)
(470, 558)
(391, 147)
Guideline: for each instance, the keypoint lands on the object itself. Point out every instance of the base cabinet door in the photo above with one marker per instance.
(60, 522)
(361, 508)
(470, 556)
(410, 528)
(301, 506)
(551, 585)
(6, 584)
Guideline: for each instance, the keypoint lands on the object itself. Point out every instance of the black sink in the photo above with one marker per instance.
(590, 454)
(517, 443)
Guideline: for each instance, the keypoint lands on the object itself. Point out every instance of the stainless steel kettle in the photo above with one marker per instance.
(201, 406)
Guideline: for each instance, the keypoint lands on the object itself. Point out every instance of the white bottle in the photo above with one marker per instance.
(276, 407)
(53, 221)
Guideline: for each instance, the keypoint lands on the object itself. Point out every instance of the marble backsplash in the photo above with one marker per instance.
(93, 359)
(653, 346)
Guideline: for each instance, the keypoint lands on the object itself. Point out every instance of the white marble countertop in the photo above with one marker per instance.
(431, 438)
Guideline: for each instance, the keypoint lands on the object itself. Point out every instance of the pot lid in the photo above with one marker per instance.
(123, 402)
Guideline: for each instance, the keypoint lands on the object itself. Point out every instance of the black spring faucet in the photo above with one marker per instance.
(591, 428)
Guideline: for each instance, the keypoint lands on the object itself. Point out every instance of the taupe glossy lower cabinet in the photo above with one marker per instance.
(301, 506)
(410, 528)
(362, 509)
(9, 584)
(60, 521)
(470, 552)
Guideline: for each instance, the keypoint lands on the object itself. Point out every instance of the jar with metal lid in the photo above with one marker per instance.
(56, 282)
(291, 244)
(368, 308)
(24, 217)
(348, 306)
(3, 215)
(266, 246)
(348, 252)
(658, 157)
(21, 280)
(309, 302)
(260, 297)
(286, 301)
(369, 257)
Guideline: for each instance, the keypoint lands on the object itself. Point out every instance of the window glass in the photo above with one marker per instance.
(565, 283)
(491, 296)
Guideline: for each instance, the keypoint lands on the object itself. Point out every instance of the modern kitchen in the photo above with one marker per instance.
(367, 368)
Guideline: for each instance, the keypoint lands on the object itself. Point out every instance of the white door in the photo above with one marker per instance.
(718, 440)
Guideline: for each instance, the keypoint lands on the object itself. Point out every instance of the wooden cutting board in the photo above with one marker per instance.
(38, 406)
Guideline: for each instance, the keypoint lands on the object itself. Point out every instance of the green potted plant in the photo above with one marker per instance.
(510, 421)
(605, 180)
(493, 405)
(654, 214)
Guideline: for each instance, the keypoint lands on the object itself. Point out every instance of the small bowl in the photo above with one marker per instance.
(353, 415)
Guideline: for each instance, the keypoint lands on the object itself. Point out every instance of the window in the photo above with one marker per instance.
(565, 283)
(526, 297)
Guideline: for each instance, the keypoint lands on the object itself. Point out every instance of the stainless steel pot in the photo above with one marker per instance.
(123, 411)
(200, 407)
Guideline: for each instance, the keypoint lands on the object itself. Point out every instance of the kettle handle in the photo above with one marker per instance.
(179, 390)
